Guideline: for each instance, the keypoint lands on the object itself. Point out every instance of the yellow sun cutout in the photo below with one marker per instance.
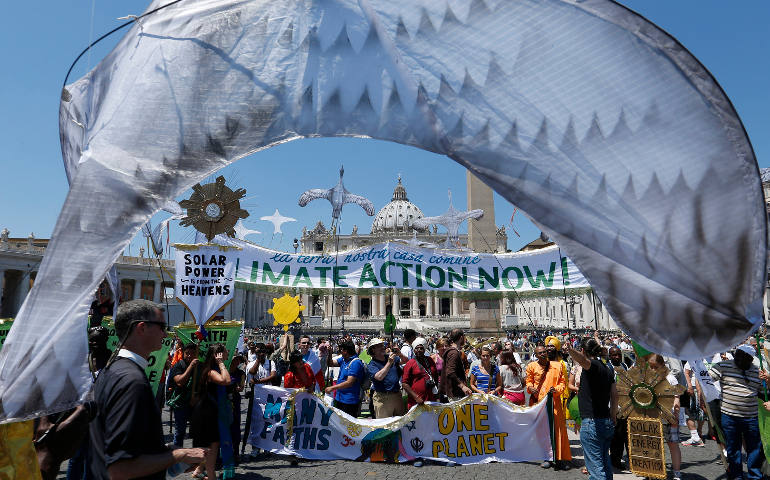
(286, 310)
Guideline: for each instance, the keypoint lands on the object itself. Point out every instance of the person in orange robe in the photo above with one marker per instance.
(543, 377)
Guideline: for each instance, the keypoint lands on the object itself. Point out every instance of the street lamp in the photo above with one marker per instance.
(342, 302)
(571, 302)
(296, 245)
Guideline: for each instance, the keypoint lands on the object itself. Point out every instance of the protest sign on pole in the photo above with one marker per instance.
(205, 278)
(477, 429)
(5, 327)
(227, 333)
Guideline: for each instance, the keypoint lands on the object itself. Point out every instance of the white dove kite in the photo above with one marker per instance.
(451, 220)
(337, 196)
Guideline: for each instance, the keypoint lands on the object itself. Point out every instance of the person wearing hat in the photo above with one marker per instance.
(420, 378)
(384, 372)
(741, 386)
(126, 436)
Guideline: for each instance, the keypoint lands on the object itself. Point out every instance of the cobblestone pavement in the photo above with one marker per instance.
(698, 463)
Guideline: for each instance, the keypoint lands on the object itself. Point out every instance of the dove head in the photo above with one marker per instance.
(342, 171)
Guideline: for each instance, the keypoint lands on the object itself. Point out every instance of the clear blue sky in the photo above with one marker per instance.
(42, 39)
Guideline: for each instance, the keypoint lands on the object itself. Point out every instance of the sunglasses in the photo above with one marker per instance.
(162, 325)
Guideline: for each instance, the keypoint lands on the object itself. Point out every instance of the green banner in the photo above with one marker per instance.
(219, 332)
(5, 326)
(157, 360)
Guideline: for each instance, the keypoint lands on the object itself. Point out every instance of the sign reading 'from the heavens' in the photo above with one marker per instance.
(205, 279)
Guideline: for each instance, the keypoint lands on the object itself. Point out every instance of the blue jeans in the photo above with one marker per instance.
(595, 437)
(735, 428)
(181, 416)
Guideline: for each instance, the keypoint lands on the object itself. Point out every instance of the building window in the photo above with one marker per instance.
(319, 246)
(126, 290)
(148, 290)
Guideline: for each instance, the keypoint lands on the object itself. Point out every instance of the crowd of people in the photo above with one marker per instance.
(378, 377)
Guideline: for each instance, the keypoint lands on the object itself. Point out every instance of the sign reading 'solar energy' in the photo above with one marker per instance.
(205, 279)
(645, 447)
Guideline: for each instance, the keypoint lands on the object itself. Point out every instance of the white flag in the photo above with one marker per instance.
(205, 279)
(701, 372)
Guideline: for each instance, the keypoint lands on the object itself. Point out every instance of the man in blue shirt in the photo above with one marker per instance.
(384, 371)
(348, 386)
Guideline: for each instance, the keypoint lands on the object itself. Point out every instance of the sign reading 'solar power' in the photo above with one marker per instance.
(205, 279)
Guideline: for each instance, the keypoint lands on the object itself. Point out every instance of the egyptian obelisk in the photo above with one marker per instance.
(485, 314)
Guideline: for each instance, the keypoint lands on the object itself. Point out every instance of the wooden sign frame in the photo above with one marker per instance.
(646, 451)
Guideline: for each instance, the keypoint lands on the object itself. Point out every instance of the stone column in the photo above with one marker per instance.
(23, 289)
(2, 287)
(429, 303)
(396, 304)
(437, 304)
(381, 298)
(354, 306)
(157, 287)
(455, 305)
(415, 306)
(137, 289)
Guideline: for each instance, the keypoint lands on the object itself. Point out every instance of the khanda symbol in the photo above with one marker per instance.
(417, 444)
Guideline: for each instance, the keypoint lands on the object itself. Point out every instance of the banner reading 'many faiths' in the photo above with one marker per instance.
(394, 265)
(477, 429)
(205, 278)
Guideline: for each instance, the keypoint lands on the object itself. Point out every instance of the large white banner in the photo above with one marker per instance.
(205, 278)
(394, 265)
(479, 429)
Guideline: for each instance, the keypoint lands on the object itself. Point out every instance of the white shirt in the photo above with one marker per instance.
(134, 357)
(406, 350)
(263, 371)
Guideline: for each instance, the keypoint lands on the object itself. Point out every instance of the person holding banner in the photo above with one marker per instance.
(485, 375)
(311, 358)
(205, 423)
(454, 383)
(351, 375)
(420, 376)
(126, 435)
(181, 378)
(300, 374)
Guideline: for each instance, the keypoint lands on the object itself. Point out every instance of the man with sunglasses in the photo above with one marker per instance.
(311, 358)
(126, 434)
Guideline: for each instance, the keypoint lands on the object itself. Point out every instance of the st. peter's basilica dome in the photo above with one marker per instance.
(398, 215)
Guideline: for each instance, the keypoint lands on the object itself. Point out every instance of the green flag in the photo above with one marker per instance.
(390, 324)
(640, 350)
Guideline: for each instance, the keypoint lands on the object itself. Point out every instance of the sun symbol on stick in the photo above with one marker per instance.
(286, 310)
